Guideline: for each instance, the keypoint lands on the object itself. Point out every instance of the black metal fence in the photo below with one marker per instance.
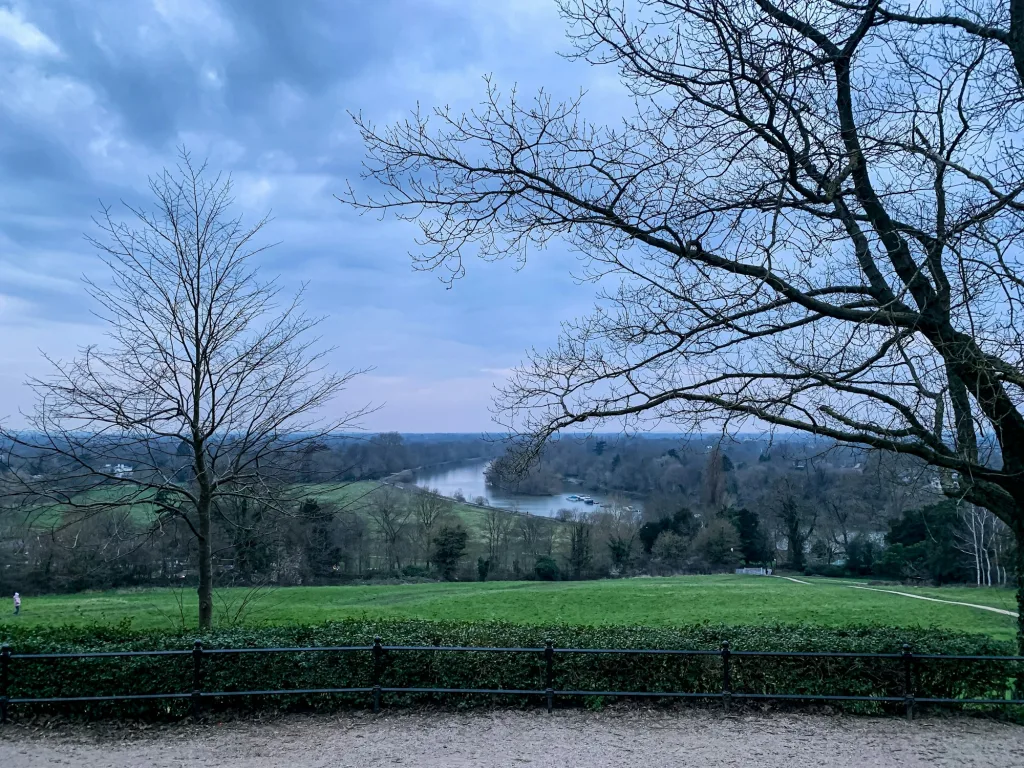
(374, 690)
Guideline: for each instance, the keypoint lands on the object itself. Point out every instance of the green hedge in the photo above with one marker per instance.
(235, 672)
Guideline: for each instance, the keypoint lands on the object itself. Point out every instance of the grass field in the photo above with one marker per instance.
(647, 601)
(354, 497)
(995, 597)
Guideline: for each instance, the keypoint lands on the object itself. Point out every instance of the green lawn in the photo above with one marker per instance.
(997, 598)
(49, 515)
(1004, 598)
(649, 601)
(355, 497)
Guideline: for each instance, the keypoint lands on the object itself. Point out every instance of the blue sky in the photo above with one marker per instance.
(95, 96)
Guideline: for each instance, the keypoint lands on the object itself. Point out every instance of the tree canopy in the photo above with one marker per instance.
(811, 221)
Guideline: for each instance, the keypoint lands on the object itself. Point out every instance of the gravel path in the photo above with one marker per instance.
(634, 739)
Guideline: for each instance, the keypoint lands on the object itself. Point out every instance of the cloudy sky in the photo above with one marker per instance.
(95, 96)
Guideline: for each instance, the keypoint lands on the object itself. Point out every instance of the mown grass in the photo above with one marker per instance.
(1004, 598)
(662, 602)
(994, 597)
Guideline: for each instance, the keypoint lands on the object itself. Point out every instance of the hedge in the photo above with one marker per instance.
(236, 672)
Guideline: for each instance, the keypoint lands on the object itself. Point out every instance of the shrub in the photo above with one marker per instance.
(670, 550)
(832, 571)
(718, 544)
(546, 568)
(860, 556)
(303, 670)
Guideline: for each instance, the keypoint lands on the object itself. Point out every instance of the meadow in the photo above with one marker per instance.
(356, 497)
(656, 602)
(352, 497)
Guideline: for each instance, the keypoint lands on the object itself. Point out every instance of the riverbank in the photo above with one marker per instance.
(412, 487)
(428, 467)
(468, 480)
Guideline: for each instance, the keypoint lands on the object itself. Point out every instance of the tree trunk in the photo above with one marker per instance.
(1016, 37)
(1019, 565)
(974, 543)
(205, 566)
(988, 568)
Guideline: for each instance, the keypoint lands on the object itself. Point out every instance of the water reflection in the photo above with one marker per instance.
(468, 478)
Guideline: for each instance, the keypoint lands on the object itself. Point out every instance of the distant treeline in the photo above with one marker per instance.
(342, 458)
(805, 504)
(707, 506)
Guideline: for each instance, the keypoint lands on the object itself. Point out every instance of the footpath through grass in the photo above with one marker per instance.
(656, 602)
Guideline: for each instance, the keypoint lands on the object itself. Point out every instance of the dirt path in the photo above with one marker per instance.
(692, 738)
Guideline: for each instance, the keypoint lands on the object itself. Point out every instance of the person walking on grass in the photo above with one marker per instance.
(17, 603)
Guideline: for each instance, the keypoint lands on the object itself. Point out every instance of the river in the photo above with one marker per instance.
(468, 477)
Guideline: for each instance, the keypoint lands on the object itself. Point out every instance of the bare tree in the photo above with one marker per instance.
(1002, 549)
(980, 537)
(498, 527)
(531, 534)
(580, 552)
(972, 538)
(839, 515)
(390, 513)
(428, 507)
(845, 508)
(794, 521)
(814, 218)
(211, 385)
(713, 492)
(625, 522)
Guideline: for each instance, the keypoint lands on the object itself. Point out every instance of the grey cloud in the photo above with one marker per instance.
(262, 88)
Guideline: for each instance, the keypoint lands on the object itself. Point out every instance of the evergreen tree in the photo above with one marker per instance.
(449, 548)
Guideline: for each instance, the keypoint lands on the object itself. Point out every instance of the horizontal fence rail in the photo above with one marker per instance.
(547, 655)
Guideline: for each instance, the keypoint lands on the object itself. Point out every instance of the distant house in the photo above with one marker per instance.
(118, 470)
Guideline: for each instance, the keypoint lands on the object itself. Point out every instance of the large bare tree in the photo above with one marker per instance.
(210, 389)
(390, 512)
(812, 221)
(429, 508)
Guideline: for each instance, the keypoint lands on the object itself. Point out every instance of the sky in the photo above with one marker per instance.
(97, 96)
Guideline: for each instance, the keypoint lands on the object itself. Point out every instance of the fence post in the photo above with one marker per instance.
(378, 653)
(549, 680)
(5, 672)
(726, 682)
(908, 680)
(197, 679)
